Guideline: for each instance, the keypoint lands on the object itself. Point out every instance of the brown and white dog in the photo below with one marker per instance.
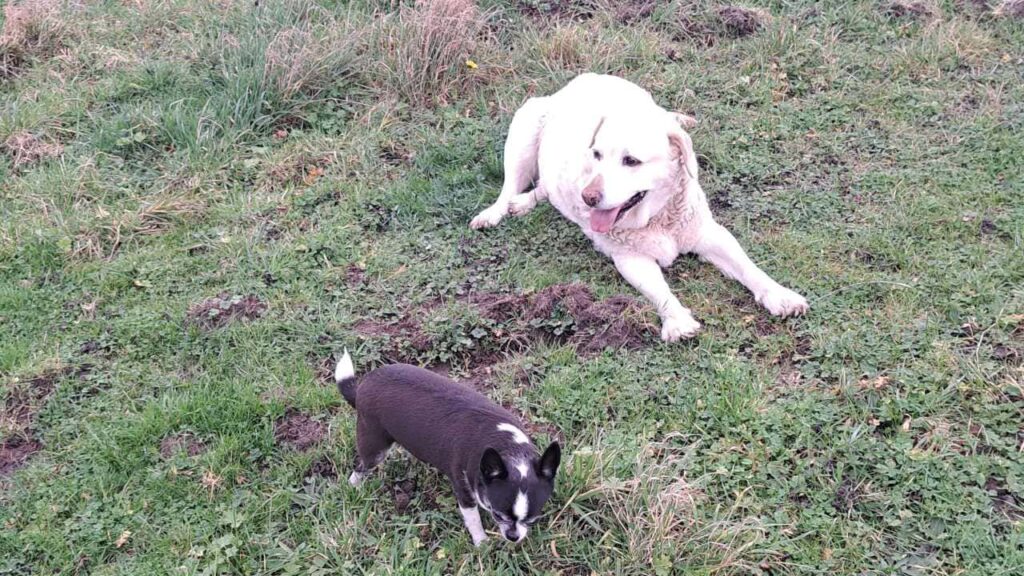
(611, 160)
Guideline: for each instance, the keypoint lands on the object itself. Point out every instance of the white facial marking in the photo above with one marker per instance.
(471, 517)
(482, 501)
(517, 434)
(523, 468)
(521, 507)
(356, 478)
(521, 529)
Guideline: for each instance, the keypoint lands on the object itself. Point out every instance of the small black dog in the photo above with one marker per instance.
(479, 445)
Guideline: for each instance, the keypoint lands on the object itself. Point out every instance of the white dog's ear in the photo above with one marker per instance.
(682, 147)
(684, 120)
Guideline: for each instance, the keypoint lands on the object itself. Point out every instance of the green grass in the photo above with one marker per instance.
(156, 155)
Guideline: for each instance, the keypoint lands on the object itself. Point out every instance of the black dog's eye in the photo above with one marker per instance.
(501, 517)
(597, 155)
(630, 161)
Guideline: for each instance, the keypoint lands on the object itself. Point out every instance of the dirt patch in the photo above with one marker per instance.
(355, 276)
(405, 491)
(561, 10)
(298, 430)
(224, 309)
(629, 11)
(16, 450)
(1004, 501)
(322, 467)
(908, 10)
(182, 442)
(26, 398)
(739, 21)
(563, 313)
(847, 496)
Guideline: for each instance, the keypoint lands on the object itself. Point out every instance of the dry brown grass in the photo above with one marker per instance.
(1011, 9)
(306, 61)
(26, 148)
(658, 509)
(32, 29)
(150, 218)
(421, 52)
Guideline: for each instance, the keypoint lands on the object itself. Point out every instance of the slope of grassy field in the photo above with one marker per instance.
(201, 203)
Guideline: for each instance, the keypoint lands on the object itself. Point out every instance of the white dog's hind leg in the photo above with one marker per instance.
(645, 275)
(520, 162)
(718, 246)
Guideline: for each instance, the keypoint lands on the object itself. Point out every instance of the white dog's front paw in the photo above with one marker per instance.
(489, 217)
(356, 478)
(522, 204)
(783, 302)
(478, 540)
(679, 327)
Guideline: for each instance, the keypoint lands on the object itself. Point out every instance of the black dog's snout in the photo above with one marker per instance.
(512, 535)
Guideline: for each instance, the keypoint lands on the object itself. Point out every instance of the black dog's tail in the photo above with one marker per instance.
(345, 378)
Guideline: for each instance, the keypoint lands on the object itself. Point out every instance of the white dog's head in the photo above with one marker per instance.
(637, 161)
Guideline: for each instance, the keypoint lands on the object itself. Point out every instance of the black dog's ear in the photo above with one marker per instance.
(548, 464)
(492, 467)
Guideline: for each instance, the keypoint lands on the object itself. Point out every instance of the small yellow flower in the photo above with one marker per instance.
(471, 65)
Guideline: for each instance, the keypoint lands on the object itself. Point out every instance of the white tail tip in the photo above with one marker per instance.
(345, 369)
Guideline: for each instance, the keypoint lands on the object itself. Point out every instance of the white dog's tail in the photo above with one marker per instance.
(345, 378)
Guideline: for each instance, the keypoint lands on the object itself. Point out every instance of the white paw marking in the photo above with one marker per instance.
(356, 478)
(471, 517)
(679, 327)
(522, 204)
(489, 217)
(783, 302)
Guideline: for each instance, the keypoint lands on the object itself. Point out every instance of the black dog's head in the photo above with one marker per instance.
(514, 490)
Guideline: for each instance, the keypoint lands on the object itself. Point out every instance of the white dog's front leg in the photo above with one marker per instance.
(471, 517)
(523, 204)
(718, 246)
(645, 275)
(520, 163)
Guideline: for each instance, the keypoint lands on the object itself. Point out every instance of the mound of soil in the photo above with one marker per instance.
(224, 309)
(739, 21)
(563, 313)
(298, 430)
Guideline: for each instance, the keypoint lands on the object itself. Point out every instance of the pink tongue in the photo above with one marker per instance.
(601, 220)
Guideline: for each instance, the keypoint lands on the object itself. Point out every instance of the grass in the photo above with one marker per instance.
(201, 203)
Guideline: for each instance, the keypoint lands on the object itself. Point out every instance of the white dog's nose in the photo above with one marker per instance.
(593, 192)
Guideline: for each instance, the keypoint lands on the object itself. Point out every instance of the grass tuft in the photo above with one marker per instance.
(421, 52)
(1011, 9)
(32, 29)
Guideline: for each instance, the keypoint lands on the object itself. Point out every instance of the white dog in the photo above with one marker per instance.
(623, 169)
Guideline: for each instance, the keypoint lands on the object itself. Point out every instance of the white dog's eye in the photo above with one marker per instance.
(630, 161)
(597, 155)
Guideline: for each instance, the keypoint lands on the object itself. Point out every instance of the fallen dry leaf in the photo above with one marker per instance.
(211, 481)
(123, 539)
